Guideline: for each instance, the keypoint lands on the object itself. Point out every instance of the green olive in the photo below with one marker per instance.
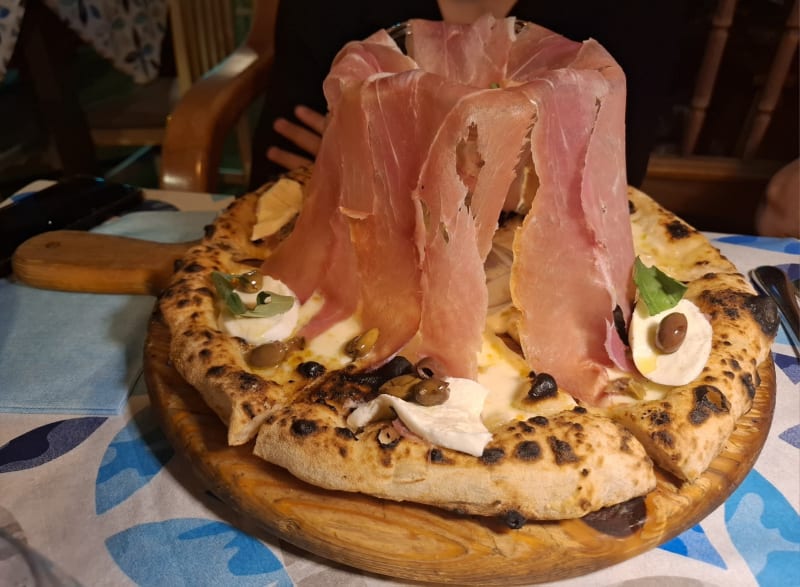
(431, 392)
(400, 386)
(362, 344)
(268, 355)
(671, 332)
(250, 282)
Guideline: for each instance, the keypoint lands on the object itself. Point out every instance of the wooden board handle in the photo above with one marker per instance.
(71, 260)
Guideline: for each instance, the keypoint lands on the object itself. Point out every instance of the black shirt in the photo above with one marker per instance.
(641, 36)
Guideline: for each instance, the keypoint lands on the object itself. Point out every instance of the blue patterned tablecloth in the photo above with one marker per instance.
(126, 32)
(108, 501)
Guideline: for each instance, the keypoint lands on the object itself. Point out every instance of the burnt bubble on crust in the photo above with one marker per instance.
(303, 427)
(619, 520)
(708, 400)
(562, 451)
(492, 455)
(678, 230)
(631, 207)
(749, 384)
(765, 312)
(514, 520)
(528, 450)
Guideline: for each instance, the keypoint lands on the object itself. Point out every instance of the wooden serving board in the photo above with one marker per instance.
(421, 543)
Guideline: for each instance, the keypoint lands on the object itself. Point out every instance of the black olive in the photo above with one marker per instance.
(671, 332)
(311, 369)
(543, 386)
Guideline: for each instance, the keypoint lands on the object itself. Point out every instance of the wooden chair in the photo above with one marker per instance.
(203, 35)
(721, 191)
(212, 106)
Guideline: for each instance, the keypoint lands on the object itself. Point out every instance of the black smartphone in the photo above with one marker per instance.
(77, 203)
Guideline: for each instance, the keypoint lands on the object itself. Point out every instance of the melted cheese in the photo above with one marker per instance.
(259, 331)
(455, 424)
(680, 367)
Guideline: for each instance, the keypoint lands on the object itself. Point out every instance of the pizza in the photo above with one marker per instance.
(463, 305)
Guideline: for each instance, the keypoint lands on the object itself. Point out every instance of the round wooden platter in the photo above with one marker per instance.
(420, 543)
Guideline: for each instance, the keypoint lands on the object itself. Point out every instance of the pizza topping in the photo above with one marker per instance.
(362, 344)
(311, 369)
(671, 332)
(454, 424)
(431, 392)
(657, 289)
(268, 315)
(268, 354)
(687, 361)
(250, 282)
(543, 386)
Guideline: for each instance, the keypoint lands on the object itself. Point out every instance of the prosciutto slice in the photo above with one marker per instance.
(414, 168)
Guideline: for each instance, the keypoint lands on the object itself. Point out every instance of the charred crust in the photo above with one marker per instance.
(204, 291)
(678, 230)
(625, 442)
(492, 456)
(765, 312)
(514, 520)
(193, 267)
(303, 427)
(584, 472)
(735, 365)
(659, 418)
(209, 230)
(204, 354)
(631, 207)
(248, 410)
(663, 437)
(436, 456)
(708, 400)
(343, 451)
(539, 420)
(579, 410)
(182, 303)
(248, 381)
(344, 433)
(749, 385)
(528, 450)
(562, 451)
(216, 371)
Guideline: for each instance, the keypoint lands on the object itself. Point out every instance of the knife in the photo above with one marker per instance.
(775, 283)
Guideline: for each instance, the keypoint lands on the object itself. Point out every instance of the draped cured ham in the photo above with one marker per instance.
(421, 155)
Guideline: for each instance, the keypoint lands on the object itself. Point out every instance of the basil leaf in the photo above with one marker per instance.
(657, 289)
(224, 286)
(267, 303)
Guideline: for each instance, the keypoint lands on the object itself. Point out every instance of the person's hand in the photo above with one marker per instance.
(307, 138)
(779, 212)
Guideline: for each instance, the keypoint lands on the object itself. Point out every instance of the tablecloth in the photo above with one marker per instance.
(126, 32)
(108, 501)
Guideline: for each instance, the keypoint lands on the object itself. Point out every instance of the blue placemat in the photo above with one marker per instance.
(70, 353)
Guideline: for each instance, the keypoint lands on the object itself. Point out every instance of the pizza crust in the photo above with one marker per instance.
(551, 467)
